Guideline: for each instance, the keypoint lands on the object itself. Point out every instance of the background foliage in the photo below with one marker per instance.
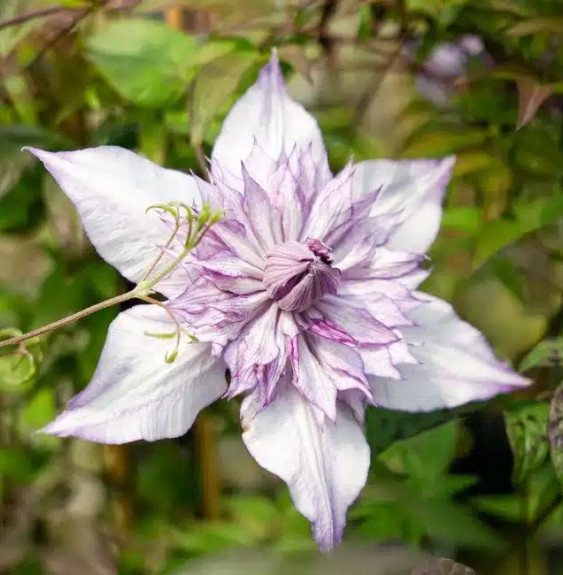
(385, 78)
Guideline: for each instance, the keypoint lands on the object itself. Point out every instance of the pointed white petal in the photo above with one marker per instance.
(325, 465)
(112, 188)
(411, 194)
(268, 116)
(135, 394)
(455, 365)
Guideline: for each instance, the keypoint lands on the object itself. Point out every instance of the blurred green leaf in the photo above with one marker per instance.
(213, 85)
(384, 426)
(547, 353)
(424, 456)
(146, 61)
(18, 364)
(526, 426)
(464, 218)
(527, 217)
(39, 410)
(12, 159)
(506, 271)
(14, 464)
(551, 25)
(555, 431)
(442, 142)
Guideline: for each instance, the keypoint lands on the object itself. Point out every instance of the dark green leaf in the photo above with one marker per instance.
(546, 354)
(555, 431)
(526, 426)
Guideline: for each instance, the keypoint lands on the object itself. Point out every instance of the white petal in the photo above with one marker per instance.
(325, 466)
(455, 365)
(268, 116)
(112, 188)
(135, 394)
(412, 191)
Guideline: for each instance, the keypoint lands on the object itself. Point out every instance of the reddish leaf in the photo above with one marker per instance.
(531, 95)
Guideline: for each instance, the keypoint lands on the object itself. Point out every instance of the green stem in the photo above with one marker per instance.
(70, 319)
(145, 286)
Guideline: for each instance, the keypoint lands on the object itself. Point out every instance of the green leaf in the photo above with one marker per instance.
(507, 273)
(18, 364)
(555, 432)
(39, 409)
(213, 86)
(440, 143)
(146, 61)
(13, 161)
(549, 25)
(451, 522)
(464, 218)
(384, 426)
(546, 354)
(527, 218)
(424, 456)
(526, 426)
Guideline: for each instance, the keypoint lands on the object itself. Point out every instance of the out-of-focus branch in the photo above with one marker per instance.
(60, 34)
(43, 13)
(175, 18)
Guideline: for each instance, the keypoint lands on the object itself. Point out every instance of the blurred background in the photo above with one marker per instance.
(391, 78)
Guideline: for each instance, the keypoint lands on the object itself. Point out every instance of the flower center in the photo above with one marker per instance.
(297, 274)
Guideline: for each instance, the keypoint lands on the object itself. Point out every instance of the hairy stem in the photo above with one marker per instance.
(70, 319)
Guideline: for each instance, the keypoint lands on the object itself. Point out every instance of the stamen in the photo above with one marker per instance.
(297, 275)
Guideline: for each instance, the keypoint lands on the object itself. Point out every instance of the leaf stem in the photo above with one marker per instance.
(70, 319)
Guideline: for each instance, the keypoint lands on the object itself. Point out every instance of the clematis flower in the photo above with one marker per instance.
(306, 292)
(447, 62)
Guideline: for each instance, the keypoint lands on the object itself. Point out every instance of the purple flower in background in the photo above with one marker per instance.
(445, 63)
(305, 291)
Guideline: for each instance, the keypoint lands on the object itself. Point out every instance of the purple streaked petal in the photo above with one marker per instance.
(310, 377)
(355, 321)
(381, 307)
(325, 466)
(112, 188)
(258, 207)
(216, 316)
(342, 364)
(239, 244)
(256, 360)
(268, 116)
(226, 264)
(412, 188)
(327, 329)
(360, 241)
(455, 365)
(309, 175)
(380, 263)
(288, 203)
(134, 393)
(330, 207)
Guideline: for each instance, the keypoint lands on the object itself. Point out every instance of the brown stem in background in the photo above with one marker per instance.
(175, 18)
(63, 32)
(43, 13)
(324, 39)
(116, 463)
(200, 156)
(206, 440)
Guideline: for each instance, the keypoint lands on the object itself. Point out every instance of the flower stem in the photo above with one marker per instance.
(70, 319)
